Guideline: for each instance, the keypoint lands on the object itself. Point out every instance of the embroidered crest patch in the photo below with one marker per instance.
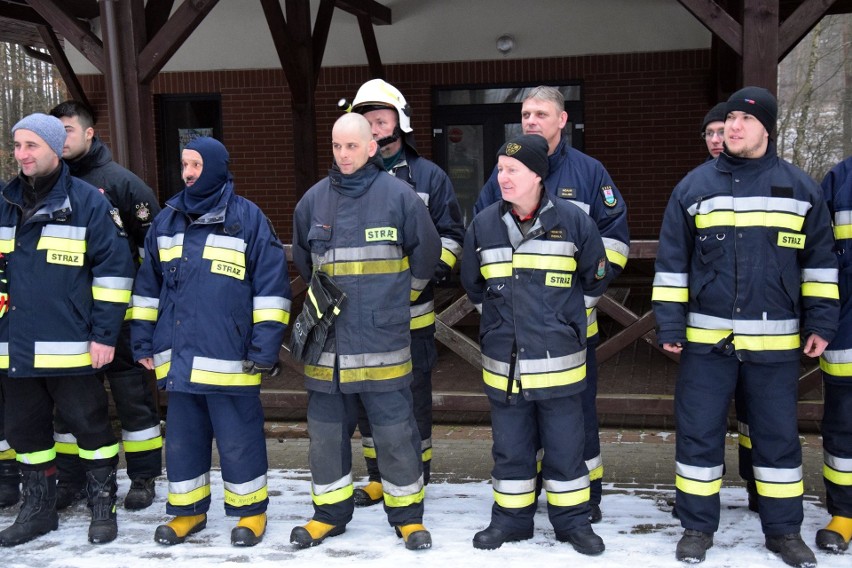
(608, 196)
(600, 273)
(143, 212)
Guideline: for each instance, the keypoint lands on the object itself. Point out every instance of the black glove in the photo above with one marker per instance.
(252, 368)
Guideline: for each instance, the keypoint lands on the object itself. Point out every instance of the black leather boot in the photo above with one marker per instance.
(101, 488)
(10, 483)
(492, 537)
(38, 510)
(584, 540)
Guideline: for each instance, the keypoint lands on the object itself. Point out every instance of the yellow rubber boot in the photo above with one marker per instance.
(176, 530)
(314, 533)
(370, 494)
(416, 537)
(836, 535)
(249, 530)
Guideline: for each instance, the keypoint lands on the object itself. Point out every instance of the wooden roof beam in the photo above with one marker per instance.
(68, 26)
(799, 23)
(58, 58)
(718, 21)
(377, 14)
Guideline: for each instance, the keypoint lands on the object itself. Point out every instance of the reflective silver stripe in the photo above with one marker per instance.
(513, 486)
(551, 364)
(616, 246)
(46, 210)
(494, 366)
(766, 327)
(61, 347)
(326, 359)
(746, 204)
(145, 302)
(708, 322)
(367, 442)
(162, 357)
(592, 318)
(183, 487)
(496, 255)
(344, 481)
(170, 242)
(594, 463)
(4, 446)
(836, 463)
(550, 248)
(64, 232)
(225, 242)
(743, 429)
(361, 360)
(591, 301)
(419, 283)
(552, 486)
(425, 444)
(819, 275)
(451, 245)
(64, 438)
(113, 283)
(422, 309)
(4, 348)
(402, 490)
(840, 218)
(423, 196)
(699, 473)
(141, 252)
(248, 487)
(777, 474)
(671, 279)
(838, 356)
(271, 303)
(217, 365)
(369, 252)
(7, 233)
(478, 307)
(140, 435)
(585, 207)
(539, 455)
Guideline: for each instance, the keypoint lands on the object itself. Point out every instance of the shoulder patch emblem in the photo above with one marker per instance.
(608, 196)
(600, 273)
(143, 212)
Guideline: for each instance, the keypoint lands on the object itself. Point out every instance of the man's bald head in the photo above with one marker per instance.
(352, 142)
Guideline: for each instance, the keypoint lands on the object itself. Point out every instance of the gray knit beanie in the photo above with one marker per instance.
(48, 128)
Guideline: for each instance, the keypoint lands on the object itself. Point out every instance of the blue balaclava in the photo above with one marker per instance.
(204, 194)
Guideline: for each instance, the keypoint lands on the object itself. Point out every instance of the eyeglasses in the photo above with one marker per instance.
(709, 134)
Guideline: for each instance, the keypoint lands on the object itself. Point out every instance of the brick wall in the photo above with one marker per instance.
(642, 116)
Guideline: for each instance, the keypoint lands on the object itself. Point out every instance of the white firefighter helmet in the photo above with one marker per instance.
(380, 93)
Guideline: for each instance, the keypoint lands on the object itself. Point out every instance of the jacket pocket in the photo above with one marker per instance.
(391, 316)
(319, 238)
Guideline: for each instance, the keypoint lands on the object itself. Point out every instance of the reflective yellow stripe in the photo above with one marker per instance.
(701, 488)
(666, 294)
(426, 455)
(697, 335)
(837, 477)
(422, 321)
(225, 255)
(821, 290)
(144, 445)
(835, 369)
(111, 295)
(766, 342)
(404, 500)
(592, 329)
(369, 452)
(749, 219)
(498, 382)
(61, 244)
(360, 268)
(189, 498)
(103, 453)
(518, 501)
(8, 454)
(780, 490)
(36, 458)
(375, 373)
(448, 258)
(271, 314)
(544, 262)
(171, 253)
(319, 373)
(62, 361)
(7, 245)
(745, 441)
(616, 257)
(496, 270)
(160, 371)
(223, 379)
(555, 379)
(67, 448)
(236, 500)
(333, 497)
(569, 499)
(596, 473)
(840, 232)
(144, 314)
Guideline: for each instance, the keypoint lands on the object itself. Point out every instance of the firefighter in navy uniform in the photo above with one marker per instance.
(583, 181)
(371, 233)
(532, 265)
(69, 275)
(90, 160)
(836, 363)
(210, 306)
(389, 116)
(745, 269)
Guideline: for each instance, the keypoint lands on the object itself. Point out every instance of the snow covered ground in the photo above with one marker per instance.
(638, 530)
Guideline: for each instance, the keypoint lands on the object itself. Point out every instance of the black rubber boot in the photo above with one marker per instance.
(38, 510)
(71, 487)
(792, 549)
(595, 514)
(101, 488)
(584, 540)
(10, 483)
(693, 546)
(492, 538)
(140, 495)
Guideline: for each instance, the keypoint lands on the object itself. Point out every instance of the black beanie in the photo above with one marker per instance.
(530, 150)
(715, 114)
(757, 102)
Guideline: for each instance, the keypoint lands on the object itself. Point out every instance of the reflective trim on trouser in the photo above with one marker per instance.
(190, 492)
(237, 424)
(518, 428)
(65, 444)
(706, 383)
(837, 445)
